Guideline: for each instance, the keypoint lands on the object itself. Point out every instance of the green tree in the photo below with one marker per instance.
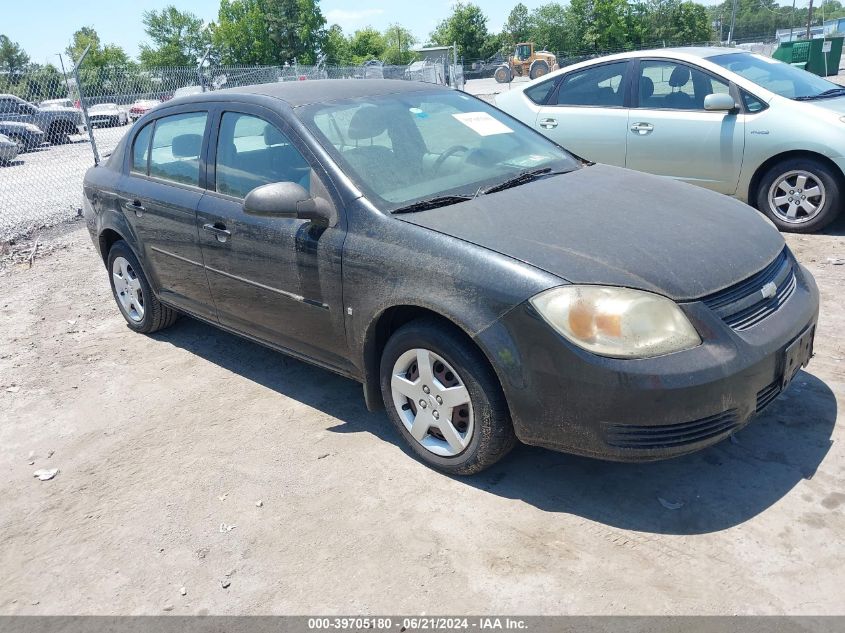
(599, 25)
(268, 31)
(549, 27)
(336, 47)
(13, 59)
(467, 26)
(179, 38)
(366, 43)
(240, 35)
(397, 44)
(518, 26)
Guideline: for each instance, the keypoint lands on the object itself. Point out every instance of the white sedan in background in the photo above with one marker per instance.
(722, 118)
(107, 115)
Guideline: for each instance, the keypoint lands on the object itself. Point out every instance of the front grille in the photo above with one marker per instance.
(744, 305)
(766, 395)
(671, 435)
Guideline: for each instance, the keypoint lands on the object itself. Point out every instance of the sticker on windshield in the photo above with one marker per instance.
(482, 123)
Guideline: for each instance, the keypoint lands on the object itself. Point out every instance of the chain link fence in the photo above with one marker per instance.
(53, 125)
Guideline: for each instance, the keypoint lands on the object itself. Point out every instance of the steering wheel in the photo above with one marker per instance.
(454, 149)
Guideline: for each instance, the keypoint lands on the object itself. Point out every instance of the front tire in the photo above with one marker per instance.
(538, 68)
(444, 398)
(800, 195)
(143, 312)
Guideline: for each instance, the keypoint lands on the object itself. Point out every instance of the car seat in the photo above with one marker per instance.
(677, 99)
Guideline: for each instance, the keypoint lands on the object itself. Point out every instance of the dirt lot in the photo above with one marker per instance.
(162, 440)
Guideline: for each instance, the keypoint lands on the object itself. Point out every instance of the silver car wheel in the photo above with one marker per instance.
(127, 289)
(432, 401)
(797, 196)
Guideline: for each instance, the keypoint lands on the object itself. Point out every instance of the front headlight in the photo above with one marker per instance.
(32, 128)
(617, 322)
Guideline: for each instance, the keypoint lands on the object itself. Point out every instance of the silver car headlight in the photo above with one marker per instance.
(617, 322)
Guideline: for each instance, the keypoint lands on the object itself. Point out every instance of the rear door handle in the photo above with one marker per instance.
(642, 128)
(135, 206)
(219, 231)
(548, 124)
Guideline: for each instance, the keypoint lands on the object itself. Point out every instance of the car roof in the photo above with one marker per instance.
(680, 52)
(298, 93)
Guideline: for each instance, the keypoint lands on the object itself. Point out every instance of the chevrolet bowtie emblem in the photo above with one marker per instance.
(769, 290)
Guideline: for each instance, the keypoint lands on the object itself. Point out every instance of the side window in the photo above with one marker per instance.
(539, 93)
(141, 149)
(176, 147)
(600, 86)
(675, 86)
(252, 152)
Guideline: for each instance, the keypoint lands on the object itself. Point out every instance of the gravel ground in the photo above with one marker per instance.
(259, 484)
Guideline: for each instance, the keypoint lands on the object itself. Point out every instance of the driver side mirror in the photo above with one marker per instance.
(287, 200)
(720, 102)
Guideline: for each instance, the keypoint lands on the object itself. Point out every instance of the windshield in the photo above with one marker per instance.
(403, 148)
(782, 79)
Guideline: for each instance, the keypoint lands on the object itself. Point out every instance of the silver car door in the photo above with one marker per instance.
(586, 114)
(671, 134)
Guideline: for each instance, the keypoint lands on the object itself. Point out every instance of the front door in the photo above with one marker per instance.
(159, 197)
(276, 279)
(587, 114)
(671, 134)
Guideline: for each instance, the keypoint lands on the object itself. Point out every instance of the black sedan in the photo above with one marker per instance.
(482, 283)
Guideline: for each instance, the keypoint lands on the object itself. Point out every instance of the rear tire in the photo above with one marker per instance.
(539, 67)
(143, 312)
(800, 195)
(502, 75)
(458, 391)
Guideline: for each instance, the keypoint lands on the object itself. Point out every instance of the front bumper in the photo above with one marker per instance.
(567, 399)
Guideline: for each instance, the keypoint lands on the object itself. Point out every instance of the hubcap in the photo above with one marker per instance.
(432, 402)
(797, 196)
(127, 289)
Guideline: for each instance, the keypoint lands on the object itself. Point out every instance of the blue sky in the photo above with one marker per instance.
(45, 29)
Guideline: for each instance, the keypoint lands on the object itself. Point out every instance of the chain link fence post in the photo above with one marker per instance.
(84, 106)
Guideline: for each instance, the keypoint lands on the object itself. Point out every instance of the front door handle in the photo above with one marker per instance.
(135, 206)
(642, 128)
(219, 231)
(548, 124)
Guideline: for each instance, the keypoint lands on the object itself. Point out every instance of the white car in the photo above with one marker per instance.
(107, 115)
(722, 118)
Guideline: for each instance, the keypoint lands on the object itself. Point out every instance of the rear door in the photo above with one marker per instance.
(159, 195)
(276, 279)
(671, 134)
(587, 113)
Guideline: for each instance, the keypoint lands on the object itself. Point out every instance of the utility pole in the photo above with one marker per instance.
(792, 21)
(810, 20)
(733, 21)
(64, 74)
(399, 37)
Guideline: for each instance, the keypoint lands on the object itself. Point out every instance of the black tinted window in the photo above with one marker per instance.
(141, 149)
(176, 147)
(597, 86)
(539, 93)
(252, 152)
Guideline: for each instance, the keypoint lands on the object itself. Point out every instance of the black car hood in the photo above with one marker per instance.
(612, 226)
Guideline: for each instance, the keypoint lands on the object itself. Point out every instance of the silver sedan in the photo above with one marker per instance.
(8, 150)
(722, 118)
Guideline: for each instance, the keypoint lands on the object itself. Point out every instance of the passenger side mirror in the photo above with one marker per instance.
(286, 200)
(719, 103)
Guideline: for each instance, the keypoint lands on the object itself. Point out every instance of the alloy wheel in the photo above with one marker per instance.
(432, 401)
(127, 289)
(797, 196)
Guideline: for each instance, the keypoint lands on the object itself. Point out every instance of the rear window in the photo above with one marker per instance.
(141, 149)
(539, 93)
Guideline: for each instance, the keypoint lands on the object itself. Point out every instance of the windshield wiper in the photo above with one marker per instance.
(432, 203)
(522, 178)
(833, 92)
